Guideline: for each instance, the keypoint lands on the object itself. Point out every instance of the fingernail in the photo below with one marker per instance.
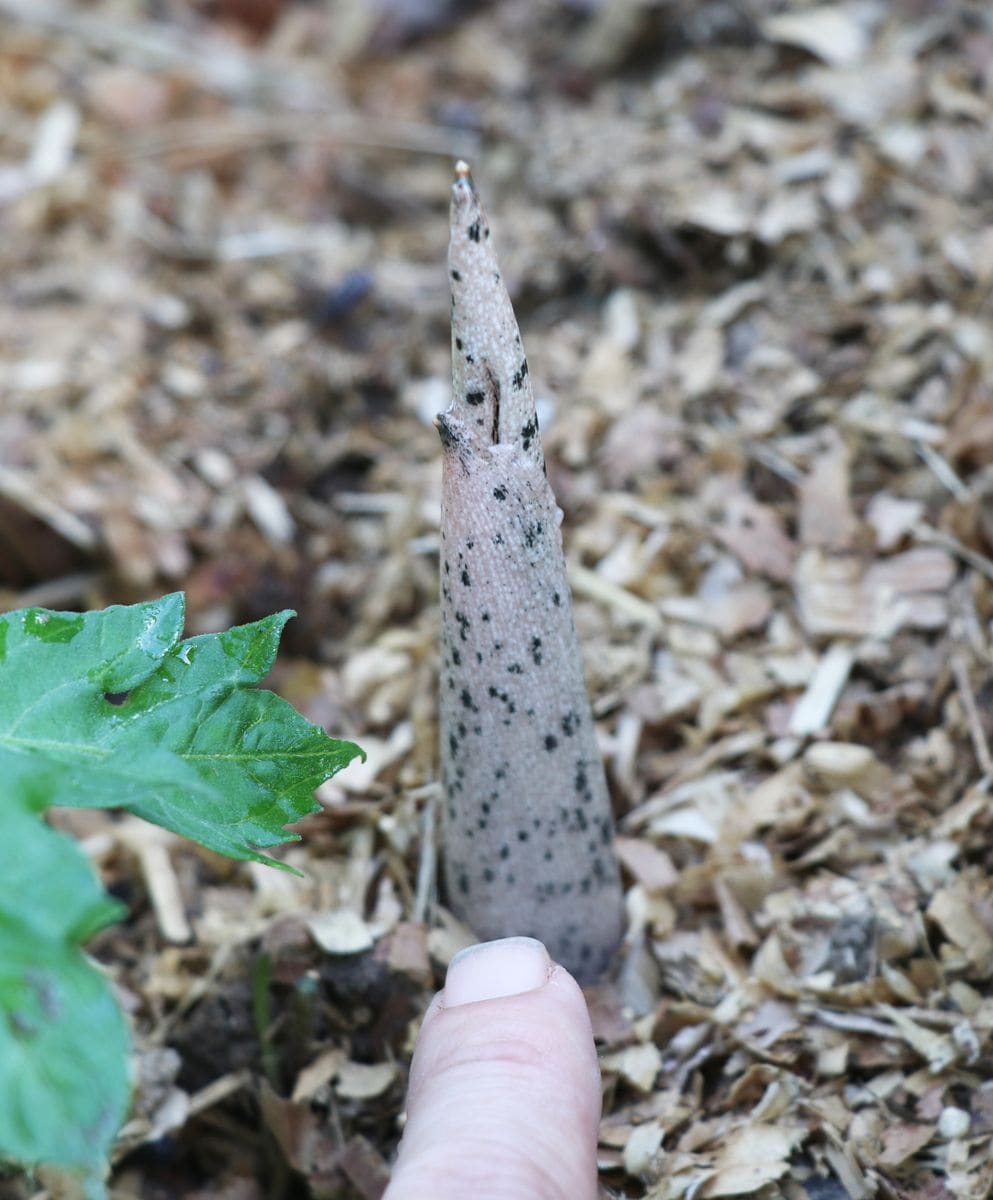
(491, 969)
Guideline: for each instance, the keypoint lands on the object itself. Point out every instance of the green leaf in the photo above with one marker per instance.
(111, 709)
(63, 1041)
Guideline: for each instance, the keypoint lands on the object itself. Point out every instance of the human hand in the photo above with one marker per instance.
(504, 1095)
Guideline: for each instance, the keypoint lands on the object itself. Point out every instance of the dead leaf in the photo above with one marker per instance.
(752, 1157)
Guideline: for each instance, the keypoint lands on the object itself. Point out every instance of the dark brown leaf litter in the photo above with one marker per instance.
(750, 250)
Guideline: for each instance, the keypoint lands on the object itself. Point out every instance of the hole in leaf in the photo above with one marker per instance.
(116, 698)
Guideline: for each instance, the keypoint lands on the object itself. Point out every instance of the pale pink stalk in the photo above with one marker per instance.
(528, 832)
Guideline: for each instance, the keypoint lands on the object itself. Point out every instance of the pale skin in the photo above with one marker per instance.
(504, 1094)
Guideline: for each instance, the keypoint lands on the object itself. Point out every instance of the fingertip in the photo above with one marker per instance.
(504, 1089)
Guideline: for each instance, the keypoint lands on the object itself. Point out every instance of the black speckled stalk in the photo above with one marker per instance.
(528, 833)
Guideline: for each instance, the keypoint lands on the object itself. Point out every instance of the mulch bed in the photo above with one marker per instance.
(751, 248)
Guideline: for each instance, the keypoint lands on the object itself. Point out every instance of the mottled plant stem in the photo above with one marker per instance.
(528, 833)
